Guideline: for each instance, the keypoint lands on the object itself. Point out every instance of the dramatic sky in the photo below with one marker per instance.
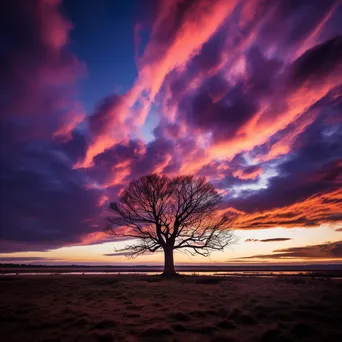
(247, 93)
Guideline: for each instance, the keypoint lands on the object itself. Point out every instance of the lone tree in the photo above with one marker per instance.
(170, 213)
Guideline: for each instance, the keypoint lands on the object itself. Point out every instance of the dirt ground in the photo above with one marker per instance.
(145, 308)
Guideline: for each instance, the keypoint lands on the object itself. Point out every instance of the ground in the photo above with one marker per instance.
(144, 308)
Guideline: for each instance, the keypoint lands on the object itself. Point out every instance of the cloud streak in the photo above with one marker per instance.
(330, 250)
(268, 240)
(25, 259)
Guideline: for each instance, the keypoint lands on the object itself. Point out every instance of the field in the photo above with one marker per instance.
(150, 308)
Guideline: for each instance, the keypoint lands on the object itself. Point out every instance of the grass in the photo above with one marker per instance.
(141, 308)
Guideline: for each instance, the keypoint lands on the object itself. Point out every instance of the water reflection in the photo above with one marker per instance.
(203, 273)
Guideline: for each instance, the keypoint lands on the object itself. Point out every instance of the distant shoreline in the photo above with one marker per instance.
(197, 267)
(331, 270)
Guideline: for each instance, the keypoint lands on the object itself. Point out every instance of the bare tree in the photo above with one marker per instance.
(170, 213)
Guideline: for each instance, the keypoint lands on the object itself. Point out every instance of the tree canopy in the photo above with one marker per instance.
(168, 214)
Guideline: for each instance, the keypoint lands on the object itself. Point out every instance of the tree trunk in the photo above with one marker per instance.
(169, 267)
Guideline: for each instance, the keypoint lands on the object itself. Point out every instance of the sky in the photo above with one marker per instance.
(247, 93)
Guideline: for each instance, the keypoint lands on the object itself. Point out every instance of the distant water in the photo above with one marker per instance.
(202, 273)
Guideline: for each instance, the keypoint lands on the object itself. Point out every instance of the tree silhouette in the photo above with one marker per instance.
(170, 213)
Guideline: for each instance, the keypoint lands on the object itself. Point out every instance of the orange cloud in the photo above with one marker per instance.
(72, 121)
(103, 199)
(263, 125)
(120, 172)
(311, 212)
(251, 172)
(92, 238)
(284, 145)
(107, 127)
(329, 251)
(204, 18)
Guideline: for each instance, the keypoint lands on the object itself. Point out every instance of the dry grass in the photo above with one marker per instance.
(142, 308)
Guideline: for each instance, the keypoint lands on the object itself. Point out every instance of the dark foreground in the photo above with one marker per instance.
(145, 308)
